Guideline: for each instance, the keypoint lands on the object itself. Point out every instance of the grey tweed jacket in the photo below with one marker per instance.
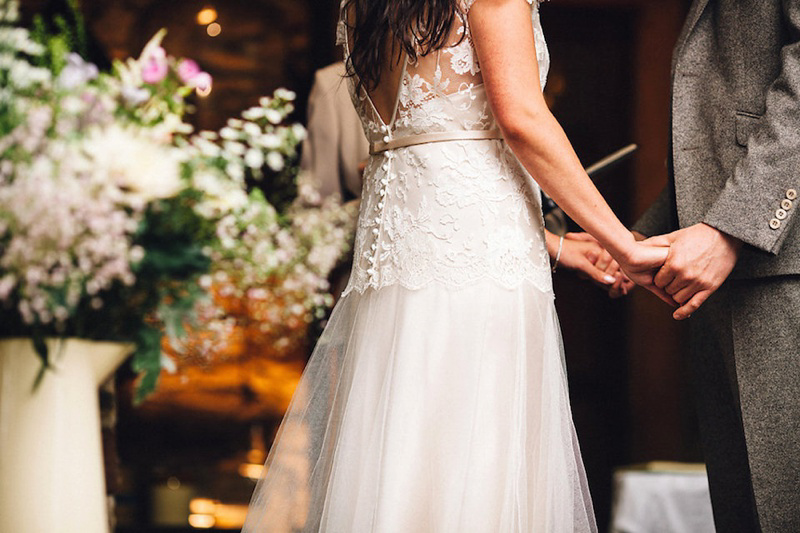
(735, 140)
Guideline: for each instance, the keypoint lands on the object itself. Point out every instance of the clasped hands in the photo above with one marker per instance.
(682, 268)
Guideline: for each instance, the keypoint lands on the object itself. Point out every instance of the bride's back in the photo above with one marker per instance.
(436, 91)
(444, 198)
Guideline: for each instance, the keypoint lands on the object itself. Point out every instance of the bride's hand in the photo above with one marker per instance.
(582, 256)
(641, 262)
(582, 253)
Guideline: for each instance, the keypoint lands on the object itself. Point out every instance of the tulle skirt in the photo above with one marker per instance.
(430, 410)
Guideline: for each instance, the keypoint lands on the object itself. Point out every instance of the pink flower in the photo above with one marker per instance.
(190, 74)
(187, 70)
(155, 66)
(201, 82)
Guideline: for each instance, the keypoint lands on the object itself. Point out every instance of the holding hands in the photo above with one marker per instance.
(582, 253)
(682, 268)
(700, 259)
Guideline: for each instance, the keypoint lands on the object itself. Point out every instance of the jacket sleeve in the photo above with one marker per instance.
(660, 217)
(759, 203)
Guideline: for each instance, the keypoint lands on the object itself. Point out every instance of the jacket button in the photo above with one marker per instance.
(791, 194)
(780, 214)
(774, 223)
(786, 205)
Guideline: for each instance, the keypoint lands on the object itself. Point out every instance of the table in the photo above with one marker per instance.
(662, 497)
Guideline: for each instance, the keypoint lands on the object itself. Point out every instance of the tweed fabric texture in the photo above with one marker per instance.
(734, 161)
(735, 143)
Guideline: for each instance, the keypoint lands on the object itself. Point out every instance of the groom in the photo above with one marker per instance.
(734, 264)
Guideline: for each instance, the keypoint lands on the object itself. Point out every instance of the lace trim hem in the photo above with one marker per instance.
(542, 281)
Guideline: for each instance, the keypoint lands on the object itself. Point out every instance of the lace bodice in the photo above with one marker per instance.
(450, 212)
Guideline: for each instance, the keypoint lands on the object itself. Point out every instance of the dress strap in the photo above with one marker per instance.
(435, 137)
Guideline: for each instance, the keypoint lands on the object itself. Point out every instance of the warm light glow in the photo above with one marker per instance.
(203, 506)
(203, 91)
(206, 16)
(202, 521)
(214, 29)
(230, 516)
(251, 470)
(207, 513)
(255, 456)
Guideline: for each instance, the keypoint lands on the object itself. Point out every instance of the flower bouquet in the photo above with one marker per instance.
(102, 229)
(113, 213)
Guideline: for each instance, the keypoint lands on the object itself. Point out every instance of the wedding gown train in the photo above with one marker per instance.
(436, 398)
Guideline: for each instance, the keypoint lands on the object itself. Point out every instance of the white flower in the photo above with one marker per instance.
(145, 170)
(252, 129)
(222, 195)
(236, 148)
(137, 254)
(285, 94)
(170, 125)
(299, 132)
(235, 171)
(275, 161)
(254, 158)
(76, 72)
(270, 141)
(273, 116)
(254, 113)
(7, 284)
(134, 95)
(168, 364)
(229, 133)
(23, 75)
(207, 148)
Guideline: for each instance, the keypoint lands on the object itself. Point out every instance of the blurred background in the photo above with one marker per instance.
(186, 459)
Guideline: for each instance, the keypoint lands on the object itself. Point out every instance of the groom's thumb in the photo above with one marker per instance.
(658, 240)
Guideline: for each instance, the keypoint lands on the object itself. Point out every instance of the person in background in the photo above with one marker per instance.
(336, 147)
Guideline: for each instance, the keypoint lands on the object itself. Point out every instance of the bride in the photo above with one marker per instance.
(436, 398)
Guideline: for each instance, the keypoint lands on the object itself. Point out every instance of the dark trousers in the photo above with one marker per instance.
(746, 369)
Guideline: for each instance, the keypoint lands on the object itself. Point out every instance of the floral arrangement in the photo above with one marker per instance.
(270, 273)
(273, 255)
(113, 213)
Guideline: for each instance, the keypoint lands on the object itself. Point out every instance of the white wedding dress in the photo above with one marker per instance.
(436, 399)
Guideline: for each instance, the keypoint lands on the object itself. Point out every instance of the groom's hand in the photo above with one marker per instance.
(700, 259)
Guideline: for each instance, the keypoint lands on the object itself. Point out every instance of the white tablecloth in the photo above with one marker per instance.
(662, 498)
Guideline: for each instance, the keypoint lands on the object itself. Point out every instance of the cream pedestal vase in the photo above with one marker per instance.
(51, 459)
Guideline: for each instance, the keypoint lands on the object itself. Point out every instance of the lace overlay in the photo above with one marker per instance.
(452, 212)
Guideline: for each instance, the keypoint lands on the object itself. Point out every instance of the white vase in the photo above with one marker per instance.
(51, 459)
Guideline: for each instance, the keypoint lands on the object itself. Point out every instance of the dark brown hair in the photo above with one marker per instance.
(417, 27)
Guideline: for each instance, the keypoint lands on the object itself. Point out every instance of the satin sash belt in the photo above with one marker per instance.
(435, 137)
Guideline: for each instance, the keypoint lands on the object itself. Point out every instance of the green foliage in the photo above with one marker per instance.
(147, 361)
(60, 37)
(57, 45)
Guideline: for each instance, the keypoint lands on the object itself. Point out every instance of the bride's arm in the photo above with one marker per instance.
(504, 41)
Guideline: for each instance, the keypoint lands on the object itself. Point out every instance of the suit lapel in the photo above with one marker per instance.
(698, 6)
